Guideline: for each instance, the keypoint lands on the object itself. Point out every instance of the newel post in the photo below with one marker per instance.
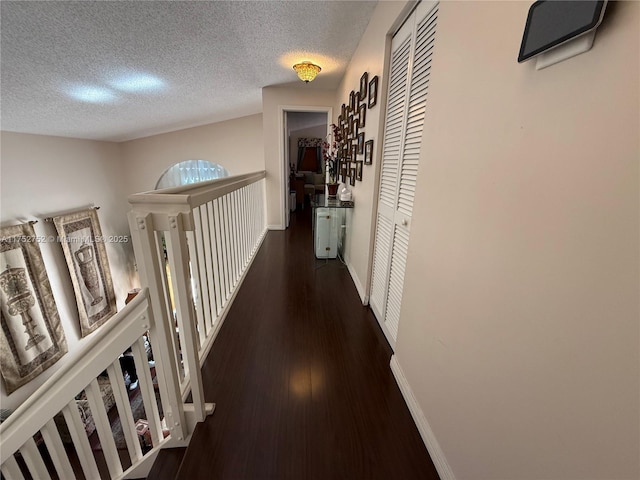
(178, 253)
(150, 261)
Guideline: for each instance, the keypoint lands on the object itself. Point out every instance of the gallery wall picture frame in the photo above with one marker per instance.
(84, 250)
(364, 80)
(361, 142)
(343, 111)
(368, 152)
(31, 338)
(359, 170)
(373, 91)
(362, 115)
(352, 176)
(353, 101)
(354, 152)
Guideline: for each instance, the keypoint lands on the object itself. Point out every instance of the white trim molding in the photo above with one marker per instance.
(428, 437)
(356, 281)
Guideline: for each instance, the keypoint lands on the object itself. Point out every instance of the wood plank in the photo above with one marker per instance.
(300, 376)
(167, 464)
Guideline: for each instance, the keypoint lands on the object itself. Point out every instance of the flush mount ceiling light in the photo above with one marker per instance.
(306, 71)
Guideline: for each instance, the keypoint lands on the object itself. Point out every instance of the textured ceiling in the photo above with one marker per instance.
(127, 69)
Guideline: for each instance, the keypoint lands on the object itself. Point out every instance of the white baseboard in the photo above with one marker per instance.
(276, 227)
(428, 437)
(356, 281)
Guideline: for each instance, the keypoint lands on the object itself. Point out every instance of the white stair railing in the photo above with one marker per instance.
(193, 247)
(36, 426)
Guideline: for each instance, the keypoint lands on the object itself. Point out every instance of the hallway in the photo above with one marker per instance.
(301, 380)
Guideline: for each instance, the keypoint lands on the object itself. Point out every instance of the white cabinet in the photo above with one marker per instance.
(328, 227)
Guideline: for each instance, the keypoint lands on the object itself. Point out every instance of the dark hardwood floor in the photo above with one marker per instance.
(301, 380)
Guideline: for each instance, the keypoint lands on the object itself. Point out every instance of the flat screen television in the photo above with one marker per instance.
(551, 23)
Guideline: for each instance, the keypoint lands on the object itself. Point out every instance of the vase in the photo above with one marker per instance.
(332, 189)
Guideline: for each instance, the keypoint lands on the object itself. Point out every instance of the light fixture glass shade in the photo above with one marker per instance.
(306, 71)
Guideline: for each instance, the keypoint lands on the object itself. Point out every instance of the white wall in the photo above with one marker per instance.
(235, 144)
(273, 99)
(42, 176)
(368, 57)
(520, 319)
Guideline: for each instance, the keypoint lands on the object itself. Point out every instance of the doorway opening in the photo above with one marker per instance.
(305, 130)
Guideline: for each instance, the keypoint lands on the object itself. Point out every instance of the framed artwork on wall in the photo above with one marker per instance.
(83, 246)
(373, 91)
(364, 79)
(31, 337)
(352, 176)
(359, 170)
(362, 114)
(368, 152)
(361, 142)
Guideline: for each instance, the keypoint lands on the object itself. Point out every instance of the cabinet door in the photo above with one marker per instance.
(412, 50)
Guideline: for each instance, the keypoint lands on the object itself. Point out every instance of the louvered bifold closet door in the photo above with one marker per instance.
(412, 50)
(392, 146)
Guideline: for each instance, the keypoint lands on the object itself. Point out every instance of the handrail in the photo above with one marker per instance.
(195, 194)
(194, 244)
(92, 358)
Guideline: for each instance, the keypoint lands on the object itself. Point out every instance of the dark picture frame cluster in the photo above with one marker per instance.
(357, 152)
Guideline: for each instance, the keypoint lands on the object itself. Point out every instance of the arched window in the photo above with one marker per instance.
(190, 171)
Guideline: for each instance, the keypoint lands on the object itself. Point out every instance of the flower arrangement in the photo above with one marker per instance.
(331, 153)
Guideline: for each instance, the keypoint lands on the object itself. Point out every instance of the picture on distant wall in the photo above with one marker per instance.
(31, 337)
(361, 142)
(364, 80)
(359, 170)
(83, 246)
(362, 115)
(368, 152)
(373, 91)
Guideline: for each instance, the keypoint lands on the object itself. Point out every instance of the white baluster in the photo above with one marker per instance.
(10, 470)
(197, 274)
(34, 461)
(80, 440)
(215, 262)
(56, 450)
(121, 396)
(147, 390)
(103, 427)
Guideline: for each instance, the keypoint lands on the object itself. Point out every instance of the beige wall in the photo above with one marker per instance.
(368, 57)
(235, 144)
(42, 176)
(273, 100)
(520, 319)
